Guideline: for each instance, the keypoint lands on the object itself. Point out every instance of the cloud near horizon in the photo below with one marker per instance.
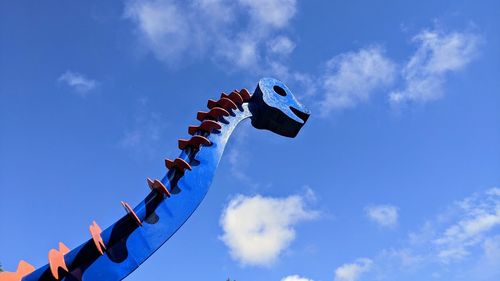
(258, 229)
(353, 271)
(295, 278)
(463, 240)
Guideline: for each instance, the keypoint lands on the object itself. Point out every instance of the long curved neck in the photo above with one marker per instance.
(206, 159)
(133, 238)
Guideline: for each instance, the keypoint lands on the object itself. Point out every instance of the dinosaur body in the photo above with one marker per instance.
(115, 252)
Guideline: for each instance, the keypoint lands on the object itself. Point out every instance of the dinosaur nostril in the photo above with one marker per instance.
(280, 91)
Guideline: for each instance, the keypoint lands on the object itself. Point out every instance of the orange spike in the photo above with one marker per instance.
(56, 260)
(178, 163)
(223, 102)
(195, 142)
(23, 269)
(199, 140)
(183, 144)
(206, 126)
(63, 248)
(192, 129)
(95, 232)
(212, 103)
(235, 97)
(245, 95)
(169, 164)
(214, 113)
(150, 183)
(160, 187)
(131, 212)
(182, 164)
(201, 115)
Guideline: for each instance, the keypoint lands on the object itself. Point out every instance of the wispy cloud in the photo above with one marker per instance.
(353, 77)
(384, 215)
(252, 36)
(270, 13)
(478, 215)
(234, 33)
(258, 229)
(295, 278)
(438, 54)
(145, 131)
(281, 45)
(78, 82)
(491, 247)
(353, 271)
(462, 241)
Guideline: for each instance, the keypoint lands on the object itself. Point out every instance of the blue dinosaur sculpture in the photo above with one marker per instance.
(117, 251)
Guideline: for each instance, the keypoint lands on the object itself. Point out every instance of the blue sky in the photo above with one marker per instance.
(394, 177)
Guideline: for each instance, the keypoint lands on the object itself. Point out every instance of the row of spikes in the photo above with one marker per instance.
(55, 257)
(209, 122)
(23, 269)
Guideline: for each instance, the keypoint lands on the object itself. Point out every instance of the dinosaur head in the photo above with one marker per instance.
(274, 108)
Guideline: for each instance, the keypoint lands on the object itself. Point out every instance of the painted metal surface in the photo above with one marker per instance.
(115, 252)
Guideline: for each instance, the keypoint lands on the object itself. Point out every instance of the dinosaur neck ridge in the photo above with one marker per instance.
(221, 119)
(115, 252)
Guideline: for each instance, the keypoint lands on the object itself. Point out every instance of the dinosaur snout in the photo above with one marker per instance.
(275, 108)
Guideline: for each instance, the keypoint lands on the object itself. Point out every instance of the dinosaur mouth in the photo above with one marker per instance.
(302, 115)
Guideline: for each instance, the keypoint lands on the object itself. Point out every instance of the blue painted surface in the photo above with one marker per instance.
(272, 107)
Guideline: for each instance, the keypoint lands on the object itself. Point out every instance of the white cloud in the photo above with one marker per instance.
(491, 247)
(495, 191)
(353, 77)
(270, 13)
(463, 242)
(438, 53)
(384, 215)
(405, 257)
(163, 26)
(281, 45)
(234, 33)
(459, 231)
(479, 214)
(78, 82)
(251, 35)
(258, 229)
(353, 271)
(295, 278)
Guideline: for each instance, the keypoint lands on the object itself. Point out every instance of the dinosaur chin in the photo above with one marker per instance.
(275, 108)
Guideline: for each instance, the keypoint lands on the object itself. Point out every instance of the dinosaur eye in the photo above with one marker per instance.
(278, 90)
